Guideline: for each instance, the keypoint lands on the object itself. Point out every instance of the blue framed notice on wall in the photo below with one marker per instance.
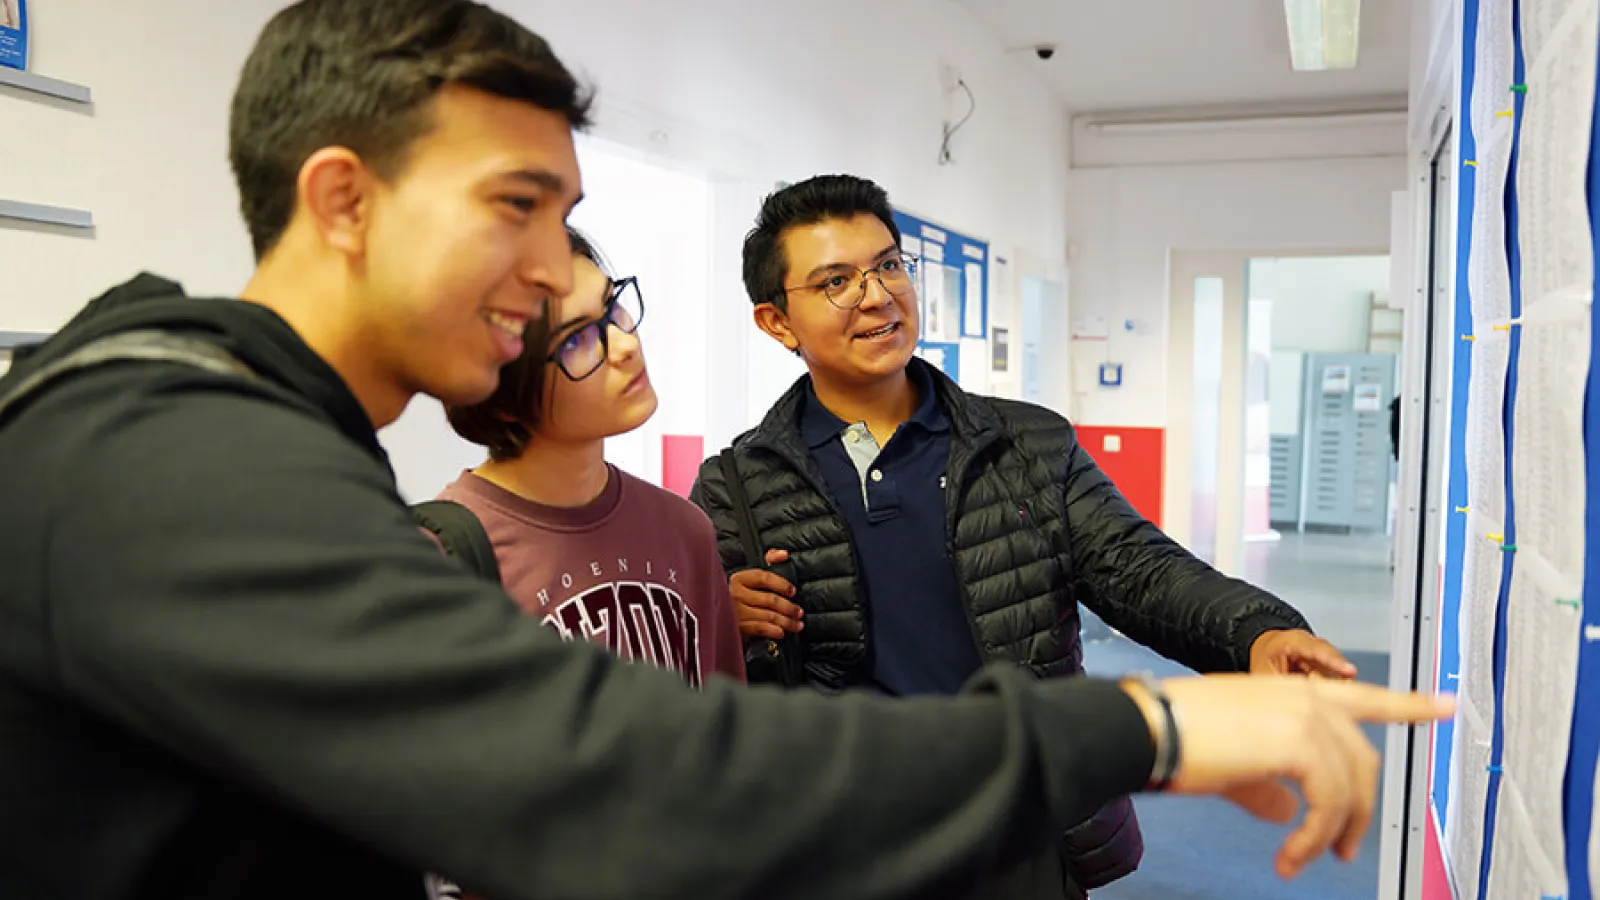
(953, 284)
(14, 33)
(946, 357)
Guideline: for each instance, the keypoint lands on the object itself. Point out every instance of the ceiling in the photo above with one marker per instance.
(1148, 54)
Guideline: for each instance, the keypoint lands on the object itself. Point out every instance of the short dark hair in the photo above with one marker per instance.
(362, 74)
(807, 203)
(506, 421)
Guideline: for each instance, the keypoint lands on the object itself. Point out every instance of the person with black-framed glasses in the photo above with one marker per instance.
(590, 550)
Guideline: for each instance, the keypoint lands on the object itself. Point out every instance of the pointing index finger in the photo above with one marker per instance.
(1370, 703)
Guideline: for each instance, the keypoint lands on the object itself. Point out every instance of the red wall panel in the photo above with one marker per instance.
(681, 455)
(1133, 458)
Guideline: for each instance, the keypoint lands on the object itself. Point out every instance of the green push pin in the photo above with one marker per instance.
(1575, 604)
(1519, 88)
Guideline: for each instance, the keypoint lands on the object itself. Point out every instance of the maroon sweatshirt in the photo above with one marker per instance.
(636, 571)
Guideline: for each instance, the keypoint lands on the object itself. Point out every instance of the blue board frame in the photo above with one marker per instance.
(958, 250)
(1584, 749)
(1449, 651)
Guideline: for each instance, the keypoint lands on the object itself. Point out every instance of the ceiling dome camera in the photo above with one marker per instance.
(1044, 51)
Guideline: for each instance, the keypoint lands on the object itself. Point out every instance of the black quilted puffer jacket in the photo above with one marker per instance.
(1034, 528)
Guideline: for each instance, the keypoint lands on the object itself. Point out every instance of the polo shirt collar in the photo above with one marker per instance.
(818, 424)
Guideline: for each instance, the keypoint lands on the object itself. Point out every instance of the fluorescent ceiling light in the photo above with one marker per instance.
(1323, 34)
(1374, 118)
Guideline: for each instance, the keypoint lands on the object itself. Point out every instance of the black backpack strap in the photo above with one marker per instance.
(765, 660)
(461, 535)
(146, 345)
(754, 556)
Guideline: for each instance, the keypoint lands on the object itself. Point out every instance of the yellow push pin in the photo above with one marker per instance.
(1463, 509)
(1473, 163)
(1469, 337)
(1506, 113)
(1497, 538)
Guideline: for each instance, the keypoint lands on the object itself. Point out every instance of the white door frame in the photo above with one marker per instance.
(1419, 525)
(1055, 375)
(1184, 267)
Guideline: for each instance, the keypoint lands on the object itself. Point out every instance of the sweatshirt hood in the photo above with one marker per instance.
(255, 334)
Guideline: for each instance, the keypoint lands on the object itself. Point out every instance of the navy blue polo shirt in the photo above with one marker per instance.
(892, 499)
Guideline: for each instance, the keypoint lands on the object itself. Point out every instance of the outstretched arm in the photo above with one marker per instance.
(263, 608)
(1157, 593)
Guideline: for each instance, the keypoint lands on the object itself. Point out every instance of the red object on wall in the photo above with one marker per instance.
(1435, 875)
(681, 455)
(1133, 458)
(1435, 878)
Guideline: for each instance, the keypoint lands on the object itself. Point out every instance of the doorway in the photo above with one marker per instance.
(1039, 296)
(1320, 463)
(1232, 315)
(1203, 503)
(1280, 464)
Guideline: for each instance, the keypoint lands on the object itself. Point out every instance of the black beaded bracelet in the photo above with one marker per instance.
(1168, 751)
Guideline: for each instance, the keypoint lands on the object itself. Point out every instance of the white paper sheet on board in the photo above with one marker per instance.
(1518, 866)
(1543, 618)
(1469, 783)
(1543, 614)
(934, 327)
(1541, 678)
(972, 312)
(1559, 38)
(1483, 564)
(1489, 285)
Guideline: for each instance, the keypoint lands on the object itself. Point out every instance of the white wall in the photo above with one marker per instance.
(1124, 220)
(746, 92)
(1320, 304)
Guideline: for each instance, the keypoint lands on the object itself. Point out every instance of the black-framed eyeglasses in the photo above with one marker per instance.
(582, 353)
(846, 286)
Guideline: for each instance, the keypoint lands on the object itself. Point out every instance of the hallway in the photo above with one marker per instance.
(1341, 583)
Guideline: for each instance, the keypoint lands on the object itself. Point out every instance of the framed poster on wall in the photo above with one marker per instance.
(14, 33)
(954, 280)
(975, 296)
(944, 356)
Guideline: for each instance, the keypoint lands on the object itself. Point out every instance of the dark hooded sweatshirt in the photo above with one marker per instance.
(232, 667)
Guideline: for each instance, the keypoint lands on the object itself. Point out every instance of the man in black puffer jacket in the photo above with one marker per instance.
(913, 532)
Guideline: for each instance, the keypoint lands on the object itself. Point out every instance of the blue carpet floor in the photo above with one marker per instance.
(1208, 849)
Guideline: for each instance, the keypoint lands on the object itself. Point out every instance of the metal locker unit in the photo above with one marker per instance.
(1287, 464)
(1348, 462)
